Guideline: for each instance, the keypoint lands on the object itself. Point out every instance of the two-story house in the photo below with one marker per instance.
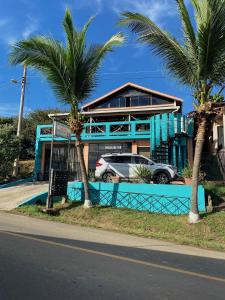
(131, 119)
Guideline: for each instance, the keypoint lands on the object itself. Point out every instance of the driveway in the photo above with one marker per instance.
(11, 197)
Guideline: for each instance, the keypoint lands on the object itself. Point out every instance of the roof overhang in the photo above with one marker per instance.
(132, 110)
(60, 116)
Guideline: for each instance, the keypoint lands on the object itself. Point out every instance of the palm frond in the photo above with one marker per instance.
(188, 29)
(94, 55)
(71, 70)
(163, 44)
(49, 57)
(211, 37)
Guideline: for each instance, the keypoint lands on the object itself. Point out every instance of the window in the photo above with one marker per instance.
(141, 160)
(134, 101)
(113, 103)
(158, 101)
(144, 150)
(144, 100)
(122, 159)
(110, 159)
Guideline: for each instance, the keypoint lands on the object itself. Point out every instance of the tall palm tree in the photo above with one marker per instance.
(197, 61)
(70, 69)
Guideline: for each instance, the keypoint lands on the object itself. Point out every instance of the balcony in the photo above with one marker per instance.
(161, 127)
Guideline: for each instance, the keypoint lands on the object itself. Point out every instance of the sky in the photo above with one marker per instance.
(21, 19)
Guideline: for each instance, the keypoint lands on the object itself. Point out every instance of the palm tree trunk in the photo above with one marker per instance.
(194, 213)
(87, 201)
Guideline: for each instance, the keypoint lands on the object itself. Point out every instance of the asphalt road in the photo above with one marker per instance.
(35, 266)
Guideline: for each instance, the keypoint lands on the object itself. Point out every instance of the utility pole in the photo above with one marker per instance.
(20, 118)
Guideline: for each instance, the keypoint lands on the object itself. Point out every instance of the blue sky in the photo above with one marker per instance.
(133, 62)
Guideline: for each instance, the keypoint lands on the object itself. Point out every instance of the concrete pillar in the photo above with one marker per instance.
(215, 137)
(86, 154)
(43, 159)
(190, 154)
(134, 148)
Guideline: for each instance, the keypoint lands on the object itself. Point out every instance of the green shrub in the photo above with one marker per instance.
(187, 171)
(143, 173)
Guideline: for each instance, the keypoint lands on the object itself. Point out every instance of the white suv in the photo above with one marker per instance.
(124, 166)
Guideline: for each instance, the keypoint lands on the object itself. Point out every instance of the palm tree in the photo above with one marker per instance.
(70, 69)
(197, 61)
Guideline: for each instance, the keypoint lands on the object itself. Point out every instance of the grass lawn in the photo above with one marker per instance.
(217, 191)
(209, 233)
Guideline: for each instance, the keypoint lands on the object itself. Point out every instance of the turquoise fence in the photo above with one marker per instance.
(168, 199)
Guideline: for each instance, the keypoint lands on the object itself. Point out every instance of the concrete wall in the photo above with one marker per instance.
(165, 199)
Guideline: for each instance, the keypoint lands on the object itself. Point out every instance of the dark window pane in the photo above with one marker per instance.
(145, 151)
(141, 160)
(144, 100)
(134, 101)
(123, 159)
(110, 159)
(122, 102)
(158, 101)
(143, 127)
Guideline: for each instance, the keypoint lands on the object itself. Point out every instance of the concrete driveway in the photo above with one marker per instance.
(11, 197)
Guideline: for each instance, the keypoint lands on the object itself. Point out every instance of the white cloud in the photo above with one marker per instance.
(4, 22)
(155, 10)
(31, 27)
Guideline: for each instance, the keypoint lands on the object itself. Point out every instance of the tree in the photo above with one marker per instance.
(197, 61)
(29, 126)
(70, 69)
(9, 149)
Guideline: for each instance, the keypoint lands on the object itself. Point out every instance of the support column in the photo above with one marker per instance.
(43, 159)
(37, 164)
(86, 154)
(215, 137)
(134, 147)
(190, 153)
(224, 129)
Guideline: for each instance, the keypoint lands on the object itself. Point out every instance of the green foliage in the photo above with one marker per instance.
(143, 173)
(91, 175)
(9, 149)
(187, 172)
(30, 122)
(198, 60)
(71, 69)
(217, 98)
(7, 120)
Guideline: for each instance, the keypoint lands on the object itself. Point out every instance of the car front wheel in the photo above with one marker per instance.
(162, 178)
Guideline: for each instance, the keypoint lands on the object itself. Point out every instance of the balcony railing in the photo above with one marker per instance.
(166, 126)
(105, 130)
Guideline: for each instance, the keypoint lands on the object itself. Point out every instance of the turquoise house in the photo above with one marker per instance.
(129, 119)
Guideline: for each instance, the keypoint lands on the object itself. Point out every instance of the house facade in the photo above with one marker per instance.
(129, 119)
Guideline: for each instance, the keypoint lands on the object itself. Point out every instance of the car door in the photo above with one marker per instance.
(121, 165)
(136, 161)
